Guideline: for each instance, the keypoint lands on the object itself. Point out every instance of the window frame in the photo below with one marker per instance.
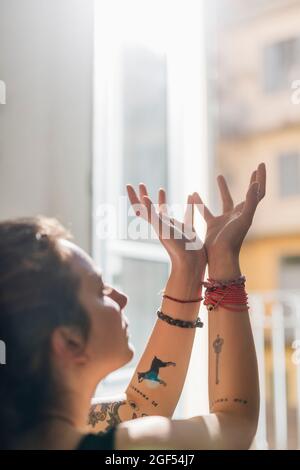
(187, 137)
(284, 193)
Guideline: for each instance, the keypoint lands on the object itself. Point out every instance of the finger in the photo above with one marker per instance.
(239, 208)
(261, 179)
(225, 194)
(137, 205)
(251, 201)
(151, 212)
(253, 178)
(162, 201)
(142, 190)
(188, 218)
(160, 223)
(133, 198)
(202, 208)
(172, 221)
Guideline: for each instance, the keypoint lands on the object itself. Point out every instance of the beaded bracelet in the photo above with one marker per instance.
(211, 283)
(181, 323)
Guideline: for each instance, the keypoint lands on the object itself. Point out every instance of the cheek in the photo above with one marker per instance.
(107, 328)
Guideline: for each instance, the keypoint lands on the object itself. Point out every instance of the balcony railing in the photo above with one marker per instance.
(276, 326)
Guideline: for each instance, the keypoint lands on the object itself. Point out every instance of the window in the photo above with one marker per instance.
(149, 126)
(289, 280)
(289, 174)
(144, 96)
(290, 272)
(281, 64)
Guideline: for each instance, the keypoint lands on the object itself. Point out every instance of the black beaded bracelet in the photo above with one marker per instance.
(181, 323)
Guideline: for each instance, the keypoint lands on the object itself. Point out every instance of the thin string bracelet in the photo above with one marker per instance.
(192, 301)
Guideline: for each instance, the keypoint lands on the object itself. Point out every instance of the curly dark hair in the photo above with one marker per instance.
(38, 293)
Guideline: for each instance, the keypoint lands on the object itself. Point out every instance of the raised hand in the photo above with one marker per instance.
(226, 232)
(179, 238)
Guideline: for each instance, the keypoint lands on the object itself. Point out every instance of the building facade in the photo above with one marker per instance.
(257, 70)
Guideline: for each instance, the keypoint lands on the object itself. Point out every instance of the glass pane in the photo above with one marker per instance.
(253, 46)
(289, 174)
(142, 281)
(290, 273)
(144, 118)
(280, 59)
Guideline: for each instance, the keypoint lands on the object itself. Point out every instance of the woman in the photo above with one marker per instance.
(65, 330)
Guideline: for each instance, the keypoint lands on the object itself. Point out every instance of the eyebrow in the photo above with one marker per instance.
(97, 276)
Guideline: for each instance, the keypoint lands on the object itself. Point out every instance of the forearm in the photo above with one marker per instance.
(233, 373)
(169, 344)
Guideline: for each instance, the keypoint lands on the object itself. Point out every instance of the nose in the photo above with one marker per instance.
(119, 297)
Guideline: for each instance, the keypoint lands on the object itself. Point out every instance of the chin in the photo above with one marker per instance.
(130, 352)
(125, 356)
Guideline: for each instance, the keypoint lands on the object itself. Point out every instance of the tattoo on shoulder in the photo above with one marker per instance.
(109, 412)
(217, 345)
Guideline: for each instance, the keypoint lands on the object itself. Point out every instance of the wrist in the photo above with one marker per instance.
(192, 266)
(185, 280)
(224, 266)
(183, 284)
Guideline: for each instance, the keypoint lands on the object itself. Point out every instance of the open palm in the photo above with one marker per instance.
(228, 230)
(179, 238)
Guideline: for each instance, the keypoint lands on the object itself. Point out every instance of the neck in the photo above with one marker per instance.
(74, 411)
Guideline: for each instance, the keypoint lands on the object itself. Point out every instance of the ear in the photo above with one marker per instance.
(69, 345)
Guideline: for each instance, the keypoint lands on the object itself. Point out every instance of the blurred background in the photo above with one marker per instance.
(171, 93)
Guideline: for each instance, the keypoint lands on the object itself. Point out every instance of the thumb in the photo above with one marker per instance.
(252, 200)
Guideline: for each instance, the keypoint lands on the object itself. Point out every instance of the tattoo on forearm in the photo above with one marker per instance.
(217, 345)
(219, 400)
(232, 400)
(241, 401)
(139, 392)
(152, 373)
(136, 410)
(142, 394)
(109, 412)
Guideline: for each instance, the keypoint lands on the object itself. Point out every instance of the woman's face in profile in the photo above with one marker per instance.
(108, 346)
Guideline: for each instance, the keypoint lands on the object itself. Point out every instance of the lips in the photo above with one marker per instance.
(125, 322)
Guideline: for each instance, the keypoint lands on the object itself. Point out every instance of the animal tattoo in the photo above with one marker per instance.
(152, 374)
